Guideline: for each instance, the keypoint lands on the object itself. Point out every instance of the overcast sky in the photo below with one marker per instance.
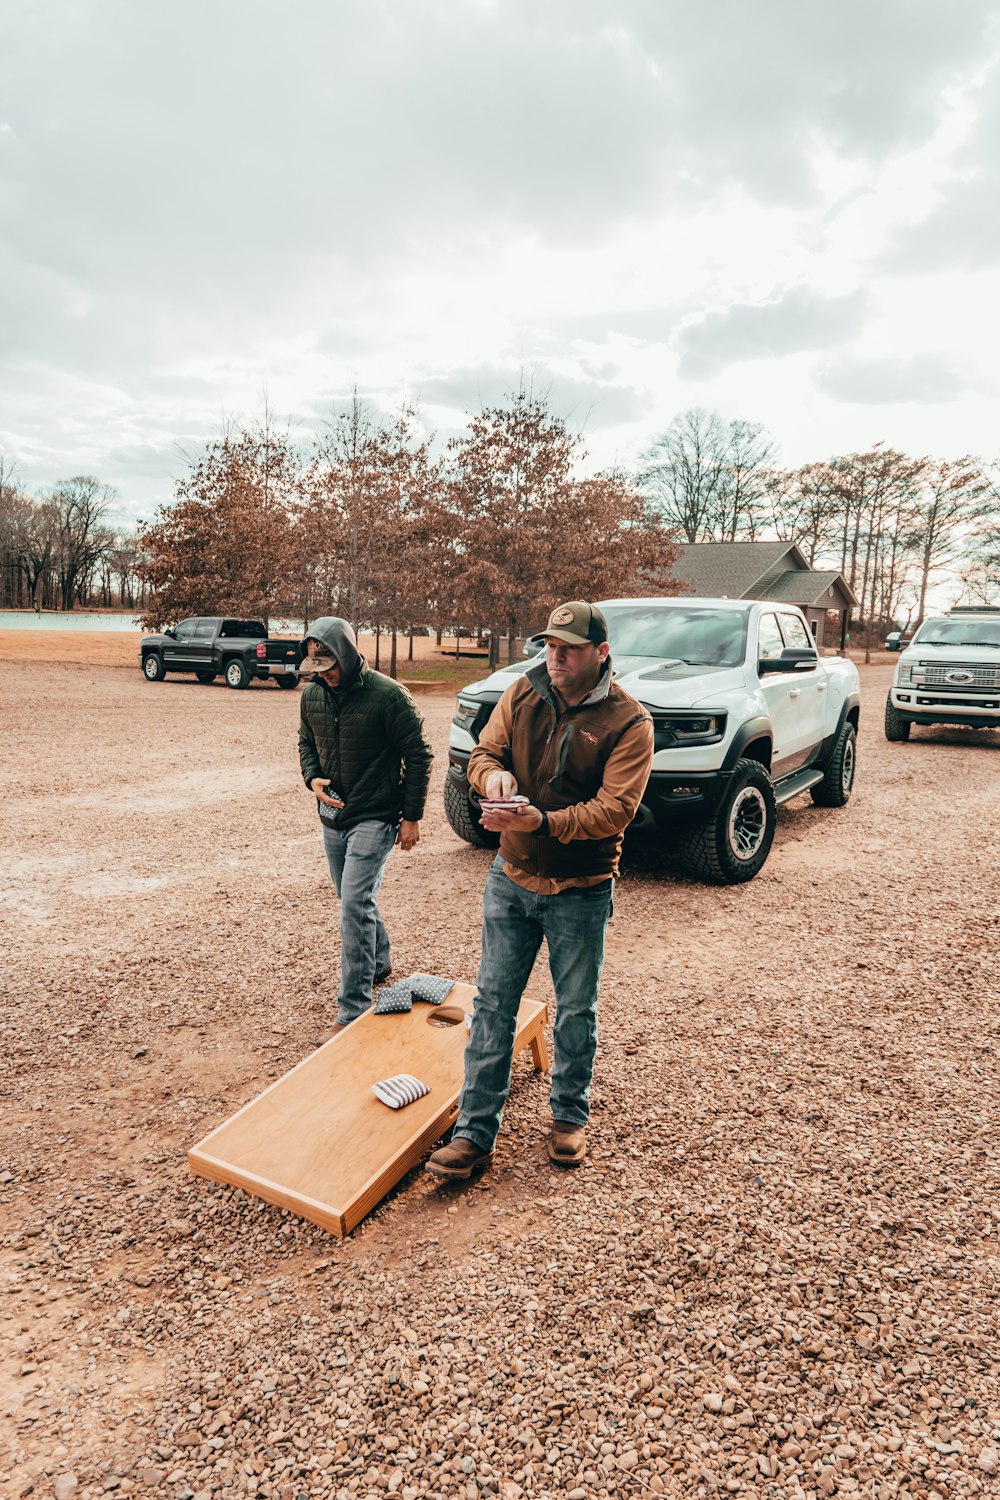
(784, 210)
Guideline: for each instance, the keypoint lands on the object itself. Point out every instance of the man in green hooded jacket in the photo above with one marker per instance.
(366, 759)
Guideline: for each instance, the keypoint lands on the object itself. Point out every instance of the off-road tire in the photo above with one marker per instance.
(206, 676)
(838, 779)
(287, 680)
(152, 667)
(897, 725)
(731, 846)
(237, 675)
(462, 817)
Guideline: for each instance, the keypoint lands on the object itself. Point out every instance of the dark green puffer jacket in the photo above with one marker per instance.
(367, 736)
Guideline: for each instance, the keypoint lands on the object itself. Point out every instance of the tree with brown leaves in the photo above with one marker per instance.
(228, 546)
(527, 532)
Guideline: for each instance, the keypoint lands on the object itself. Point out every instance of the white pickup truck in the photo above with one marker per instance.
(949, 673)
(746, 716)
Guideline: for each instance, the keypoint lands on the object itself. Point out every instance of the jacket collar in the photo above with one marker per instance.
(542, 684)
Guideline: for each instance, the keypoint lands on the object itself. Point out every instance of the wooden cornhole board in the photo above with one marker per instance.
(318, 1141)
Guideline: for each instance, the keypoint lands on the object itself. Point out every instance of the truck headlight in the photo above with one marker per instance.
(904, 676)
(465, 712)
(672, 730)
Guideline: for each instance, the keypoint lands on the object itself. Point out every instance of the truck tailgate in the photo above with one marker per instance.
(282, 652)
(278, 657)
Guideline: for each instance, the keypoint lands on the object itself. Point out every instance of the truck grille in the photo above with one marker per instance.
(936, 674)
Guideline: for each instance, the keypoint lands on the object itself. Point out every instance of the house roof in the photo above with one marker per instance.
(732, 568)
(752, 570)
(805, 588)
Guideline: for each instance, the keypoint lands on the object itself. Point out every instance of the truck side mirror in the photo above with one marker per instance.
(169, 630)
(792, 659)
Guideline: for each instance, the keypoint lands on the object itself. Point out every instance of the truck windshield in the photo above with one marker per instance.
(709, 637)
(969, 632)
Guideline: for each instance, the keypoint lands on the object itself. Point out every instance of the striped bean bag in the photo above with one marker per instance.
(400, 1090)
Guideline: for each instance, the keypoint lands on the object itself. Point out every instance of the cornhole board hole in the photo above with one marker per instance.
(318, 1141)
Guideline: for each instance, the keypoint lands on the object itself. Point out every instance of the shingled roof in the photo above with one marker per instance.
(718, 570)
(753, 570)
(800, 588)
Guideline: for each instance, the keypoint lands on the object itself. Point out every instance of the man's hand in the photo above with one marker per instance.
(500, 784)
(524, 820)
(408, 836)
(319, 787)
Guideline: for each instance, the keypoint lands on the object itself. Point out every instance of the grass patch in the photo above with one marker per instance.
(444, 674)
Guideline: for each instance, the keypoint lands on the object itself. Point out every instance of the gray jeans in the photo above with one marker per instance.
(357, 861)
(514, 923)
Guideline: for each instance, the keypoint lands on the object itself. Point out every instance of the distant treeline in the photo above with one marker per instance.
(367, 523)
(57, 553)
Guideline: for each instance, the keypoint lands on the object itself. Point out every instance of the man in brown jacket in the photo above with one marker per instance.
(567, 737)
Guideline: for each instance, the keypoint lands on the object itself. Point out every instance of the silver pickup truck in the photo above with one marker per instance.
(746, 716)
(949, 673)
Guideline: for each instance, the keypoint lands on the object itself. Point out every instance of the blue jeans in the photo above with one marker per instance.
(514, 923)
(357, 860)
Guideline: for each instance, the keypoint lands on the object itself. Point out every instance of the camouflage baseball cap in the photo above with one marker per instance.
(576, 623)
(321, 662)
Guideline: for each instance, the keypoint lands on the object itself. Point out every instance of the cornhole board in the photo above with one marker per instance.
(320, 1143)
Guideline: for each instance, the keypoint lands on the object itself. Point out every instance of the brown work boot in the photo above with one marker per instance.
(567, 1145)
(459, 1159)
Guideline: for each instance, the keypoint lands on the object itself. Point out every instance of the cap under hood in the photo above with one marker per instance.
(338, 638)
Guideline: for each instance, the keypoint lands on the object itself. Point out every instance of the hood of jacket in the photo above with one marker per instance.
(338, 637)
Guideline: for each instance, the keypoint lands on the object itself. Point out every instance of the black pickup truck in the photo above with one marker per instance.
(207, 645)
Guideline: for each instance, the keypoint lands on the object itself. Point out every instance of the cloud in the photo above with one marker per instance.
(798, 321)
(959, 233)
(923, 379)
(199, 200)
(587, 404)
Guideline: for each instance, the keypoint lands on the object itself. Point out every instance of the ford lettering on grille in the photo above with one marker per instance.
(958, 677)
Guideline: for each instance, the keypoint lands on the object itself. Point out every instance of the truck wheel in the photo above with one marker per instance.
(838, 781)
(206, 676)
(287, 680)
(152, 668)
(237, 675)
(897, 725)
(462, 817)
(732, 845)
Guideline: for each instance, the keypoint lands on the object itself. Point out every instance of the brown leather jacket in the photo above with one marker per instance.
(586, 767)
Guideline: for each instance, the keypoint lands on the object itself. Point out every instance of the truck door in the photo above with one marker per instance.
(179, 651)
(203, 645)
(777, 689)
(807, 690)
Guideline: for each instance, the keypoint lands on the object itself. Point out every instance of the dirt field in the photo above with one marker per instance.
(120, 648)
(776, 1275)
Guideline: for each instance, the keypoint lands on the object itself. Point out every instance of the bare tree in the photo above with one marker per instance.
(803, 507)
(81, 504)
(749, 454)
(876, 496)
(954, 499)
(710, 478)
(682, 472)
(981, 573)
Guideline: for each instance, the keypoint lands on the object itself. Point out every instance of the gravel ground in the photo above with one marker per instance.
(776, 1275)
